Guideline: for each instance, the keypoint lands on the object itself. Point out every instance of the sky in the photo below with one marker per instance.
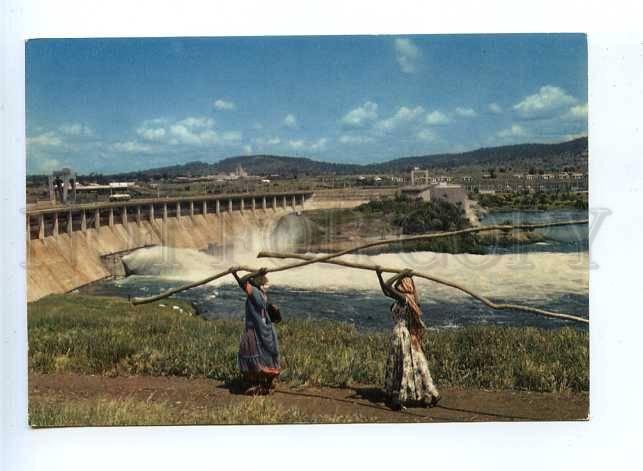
(114, 105)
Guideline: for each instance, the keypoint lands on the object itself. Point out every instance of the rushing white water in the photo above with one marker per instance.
(525, 276)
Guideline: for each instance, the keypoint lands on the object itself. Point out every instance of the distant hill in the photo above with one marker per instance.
(253, 164)
(571, 153)
(520, 155)
(274, 164)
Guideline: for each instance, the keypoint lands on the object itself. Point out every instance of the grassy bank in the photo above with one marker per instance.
(107, 336)
(104, 411)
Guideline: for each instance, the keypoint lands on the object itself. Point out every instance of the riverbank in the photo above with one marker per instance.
(328, 229)
(332, 230)
(538, 201)
(65, 400)
(74, 336)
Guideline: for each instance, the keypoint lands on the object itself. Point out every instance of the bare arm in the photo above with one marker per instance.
(395, 294)
(383, 285)
(387, 286)
(243, 282)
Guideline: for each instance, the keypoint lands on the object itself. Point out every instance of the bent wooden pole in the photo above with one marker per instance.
(437, 235)
(442, 281)
(172, 291)
(356, 249)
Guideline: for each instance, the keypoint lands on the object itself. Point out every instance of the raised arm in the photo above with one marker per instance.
(387, 286)
(378, 270)
(391, 282)
(243, 281)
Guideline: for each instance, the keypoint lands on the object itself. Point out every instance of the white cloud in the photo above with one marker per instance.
(231, 136)
(297, 144)
(131, 147)
(403, 115)
(578, 112)
(437, 118)
(407, 55)
(273, 141)
(153, 129)
(570, 137)
(361, 115)
(320, 144)
(351, 139)
(197, 123)
(544, 130)
(47, 139)
(547, 102)
(191, 131)
(151, 134)
(224, 105)
(183, 134)
(76, 129)
(427, 135)
(268, 141)
(263, 142)
(290, 121)
(514, 131)
(495, 108)
(466, 112)
(247, 149)
(303, 145)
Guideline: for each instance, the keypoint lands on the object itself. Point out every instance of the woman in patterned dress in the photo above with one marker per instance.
(258, 357)
(407, 380)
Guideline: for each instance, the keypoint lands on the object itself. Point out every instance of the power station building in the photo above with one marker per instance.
(454, 194)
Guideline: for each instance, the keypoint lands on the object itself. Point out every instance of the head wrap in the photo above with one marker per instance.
(259, 280)
(406, 286)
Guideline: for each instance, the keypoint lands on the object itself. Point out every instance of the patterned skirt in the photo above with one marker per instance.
(251, 359)
(407, 379)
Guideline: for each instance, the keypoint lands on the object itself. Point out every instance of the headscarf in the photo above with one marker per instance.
(259, 280)
(406, 286)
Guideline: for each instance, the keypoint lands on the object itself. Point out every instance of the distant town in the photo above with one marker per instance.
(549, 172)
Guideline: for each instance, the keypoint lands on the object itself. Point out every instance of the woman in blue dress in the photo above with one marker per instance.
(258, 357)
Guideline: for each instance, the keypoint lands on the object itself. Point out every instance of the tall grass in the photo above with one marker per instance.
(97, 335)
(122, 412)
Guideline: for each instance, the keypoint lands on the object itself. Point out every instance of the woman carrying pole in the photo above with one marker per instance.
(258, 357)
(407, 380)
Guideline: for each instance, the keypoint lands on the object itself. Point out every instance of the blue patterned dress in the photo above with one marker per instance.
(258, 346)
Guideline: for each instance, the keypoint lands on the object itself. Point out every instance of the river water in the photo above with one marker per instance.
(552, 275)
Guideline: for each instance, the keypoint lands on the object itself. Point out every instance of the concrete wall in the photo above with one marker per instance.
(65, 262)
(347, 197)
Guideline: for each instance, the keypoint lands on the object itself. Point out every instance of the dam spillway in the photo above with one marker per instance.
(67, 244)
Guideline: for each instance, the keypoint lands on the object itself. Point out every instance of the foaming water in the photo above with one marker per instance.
(526, 276)
(554, 280)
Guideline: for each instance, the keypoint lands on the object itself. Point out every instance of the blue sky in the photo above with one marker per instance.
(111, 105)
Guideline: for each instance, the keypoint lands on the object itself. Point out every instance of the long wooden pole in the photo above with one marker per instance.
(172, 291)
(358, 248)
(424, 237)
(442, 281)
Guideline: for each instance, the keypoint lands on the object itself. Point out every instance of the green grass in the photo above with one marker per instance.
(105, 412)
(108, 336)
(532, 201)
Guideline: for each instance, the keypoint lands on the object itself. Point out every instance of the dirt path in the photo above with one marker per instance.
(457, 405)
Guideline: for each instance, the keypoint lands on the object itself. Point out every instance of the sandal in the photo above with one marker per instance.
(435, 400)
(254, 391)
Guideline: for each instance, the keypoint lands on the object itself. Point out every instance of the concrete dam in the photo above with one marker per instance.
(71, 246)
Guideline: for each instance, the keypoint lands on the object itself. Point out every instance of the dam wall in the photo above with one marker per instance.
(348, 197)
(68, 246)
